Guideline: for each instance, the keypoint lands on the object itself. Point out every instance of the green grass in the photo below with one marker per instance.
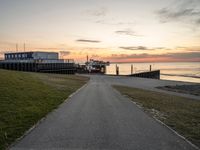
(181, 114)
(27, 97)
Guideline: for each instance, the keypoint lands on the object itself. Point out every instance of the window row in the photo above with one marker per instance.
(16, 56)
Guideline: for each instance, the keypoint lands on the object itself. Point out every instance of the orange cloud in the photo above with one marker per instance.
(168, 57)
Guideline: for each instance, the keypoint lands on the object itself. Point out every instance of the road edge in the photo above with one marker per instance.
(43, 118)
(157, 120)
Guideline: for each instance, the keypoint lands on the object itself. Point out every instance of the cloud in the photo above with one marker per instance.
(127, 32)
(113, 22)
(88, 41)
(95, 56)
(198, 21)
(100, 12)
(7, 43)
(48, 48)
(64, 53)
(94, 48)
(177, 14)
(125, 23)
(101, 16)
(161, 48)
(127, 56)
(142, 48)
(184, 11)
(180, 48)
(134, 48)
(184, 56)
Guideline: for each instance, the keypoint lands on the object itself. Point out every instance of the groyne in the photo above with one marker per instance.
(150, 74)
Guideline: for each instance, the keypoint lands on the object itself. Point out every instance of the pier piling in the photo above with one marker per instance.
(131, 69)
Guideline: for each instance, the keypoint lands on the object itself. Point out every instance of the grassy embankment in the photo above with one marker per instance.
(27, 97)
(181, 114)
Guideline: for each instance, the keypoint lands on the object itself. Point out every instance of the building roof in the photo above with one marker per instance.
(30, 52)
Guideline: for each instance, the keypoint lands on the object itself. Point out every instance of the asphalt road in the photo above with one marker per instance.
(98, 117)
(148, 84)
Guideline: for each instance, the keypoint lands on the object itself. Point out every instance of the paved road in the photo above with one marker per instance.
(98, 117)
(148, 84)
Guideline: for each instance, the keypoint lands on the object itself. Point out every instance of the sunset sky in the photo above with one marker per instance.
(111, 30)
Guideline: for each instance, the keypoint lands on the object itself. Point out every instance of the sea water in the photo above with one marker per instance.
(178, 71)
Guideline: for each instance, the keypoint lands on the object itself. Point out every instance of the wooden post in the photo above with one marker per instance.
(117, 70)
(131, 68)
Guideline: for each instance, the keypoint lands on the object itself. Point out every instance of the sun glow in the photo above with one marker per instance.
(77, 29)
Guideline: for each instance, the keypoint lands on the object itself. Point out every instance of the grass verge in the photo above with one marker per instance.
(181, 114)
(27, 97)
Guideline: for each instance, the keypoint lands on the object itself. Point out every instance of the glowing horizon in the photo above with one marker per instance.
(116, 31)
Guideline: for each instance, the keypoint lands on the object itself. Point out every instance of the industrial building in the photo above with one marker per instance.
(38, 62)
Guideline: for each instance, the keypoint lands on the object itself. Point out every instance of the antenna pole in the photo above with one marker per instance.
(24, 47)
(17, 47)
(87, 58)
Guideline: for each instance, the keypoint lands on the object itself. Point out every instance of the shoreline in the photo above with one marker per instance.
(175, 71)
(181, 75)
(168, 79)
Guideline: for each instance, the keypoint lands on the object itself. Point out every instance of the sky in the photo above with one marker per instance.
(109, 30)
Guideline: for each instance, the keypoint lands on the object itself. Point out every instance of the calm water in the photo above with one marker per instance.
(181, 71)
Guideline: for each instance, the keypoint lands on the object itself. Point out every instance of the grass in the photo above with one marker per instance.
(181, 114)
(27, 97)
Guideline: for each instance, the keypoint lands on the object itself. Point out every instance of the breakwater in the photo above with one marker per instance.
(151, 74)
